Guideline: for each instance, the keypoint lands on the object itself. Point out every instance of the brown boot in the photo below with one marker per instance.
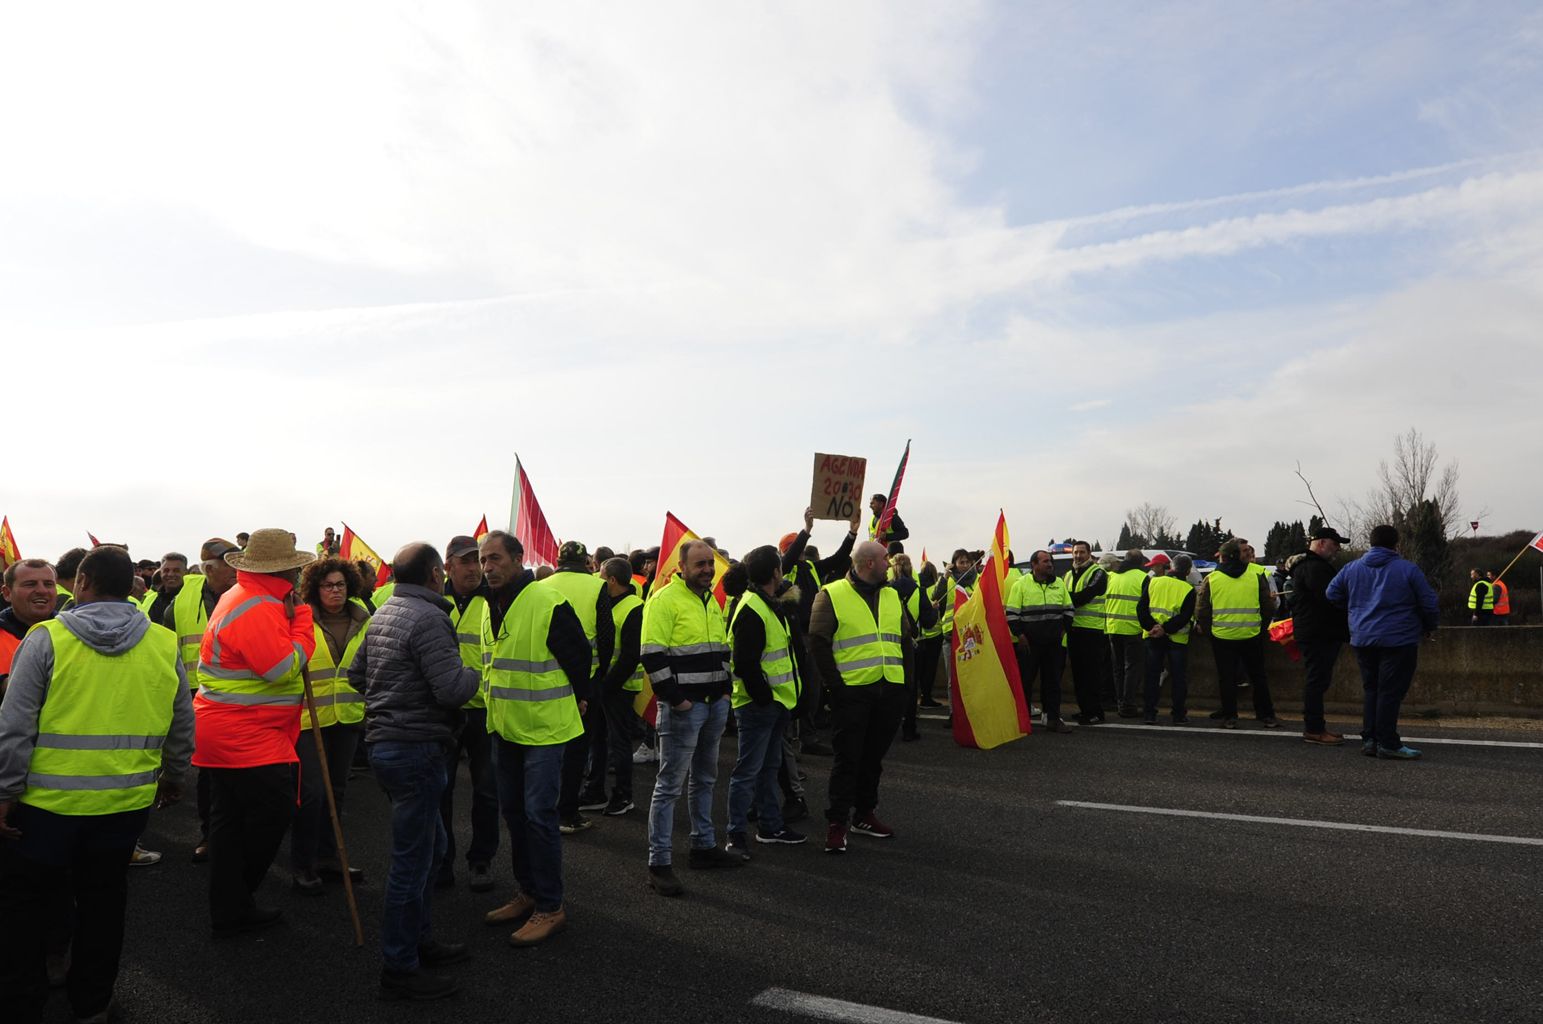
(519, 905)
(539, 928)
(1323, 739)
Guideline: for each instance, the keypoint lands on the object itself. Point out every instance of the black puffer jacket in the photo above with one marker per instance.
(409, 670)
(1313, 616)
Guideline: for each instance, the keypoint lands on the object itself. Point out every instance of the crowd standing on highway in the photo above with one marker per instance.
(552, 685)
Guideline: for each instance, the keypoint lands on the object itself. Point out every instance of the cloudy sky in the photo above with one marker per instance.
(307, 263)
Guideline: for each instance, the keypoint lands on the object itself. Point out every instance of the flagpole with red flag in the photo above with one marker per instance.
(528, 523)
(10, 554)
(481, 530)
(893, 498)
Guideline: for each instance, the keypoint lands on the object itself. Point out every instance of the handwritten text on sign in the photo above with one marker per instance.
(838, 485)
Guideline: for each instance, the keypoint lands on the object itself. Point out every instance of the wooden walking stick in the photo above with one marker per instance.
(332, 805)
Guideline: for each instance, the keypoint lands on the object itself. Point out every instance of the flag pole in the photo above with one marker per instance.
(1519, 554)
(332, 805)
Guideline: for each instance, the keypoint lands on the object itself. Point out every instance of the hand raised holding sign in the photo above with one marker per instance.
(837, 488)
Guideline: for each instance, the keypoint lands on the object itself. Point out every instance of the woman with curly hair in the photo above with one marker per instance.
(331, 586)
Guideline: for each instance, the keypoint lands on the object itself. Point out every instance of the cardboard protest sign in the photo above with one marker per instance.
(837, 490)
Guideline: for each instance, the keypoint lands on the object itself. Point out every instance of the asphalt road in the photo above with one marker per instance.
(994, 903)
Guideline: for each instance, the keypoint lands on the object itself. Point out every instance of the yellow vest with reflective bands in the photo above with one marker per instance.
(468, 637)
(582, 591)
(191, 617)
(337, 703)
(148, 600)
(776, 657)
(937, 627)
(620, 609)
(1090, 615)
(1034, 601)
(1235, 612)
(102, 726)
(866, 650)
(1487, 604)
(1120, 599)
(1165, 596)
(529, 699)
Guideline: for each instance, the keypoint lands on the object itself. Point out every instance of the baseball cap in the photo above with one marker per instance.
(1158, 559)
(459, 545)
(786, 542)
(572, 551)
(1329, 533)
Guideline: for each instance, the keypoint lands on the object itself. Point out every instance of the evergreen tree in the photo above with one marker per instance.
(1125, 542)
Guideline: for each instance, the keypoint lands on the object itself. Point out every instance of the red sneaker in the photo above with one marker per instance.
(836, 838)
(870, 825)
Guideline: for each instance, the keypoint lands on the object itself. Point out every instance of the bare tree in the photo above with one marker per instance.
(1153, 522)
(1405, 484)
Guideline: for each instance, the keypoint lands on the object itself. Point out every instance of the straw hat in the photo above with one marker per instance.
(269, 551)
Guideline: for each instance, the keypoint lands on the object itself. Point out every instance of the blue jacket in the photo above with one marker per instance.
(1389, 600)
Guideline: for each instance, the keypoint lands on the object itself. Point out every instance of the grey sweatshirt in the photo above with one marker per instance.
(111, 627)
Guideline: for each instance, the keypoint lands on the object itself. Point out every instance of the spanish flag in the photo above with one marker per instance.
(9, 554)
(988, 704)
(481, 530)
(675, 534)
(352, 549)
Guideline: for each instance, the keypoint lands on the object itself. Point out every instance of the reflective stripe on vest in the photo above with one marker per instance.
(468, 637)
(337, 703)
(620, 609)
(1487, 603)
(191, 617)
(77, 770)
(866, 650)
(241, 686)
(777, 662)
(1120, 600)
(582, 591)
(1165, 596)
(1090, 615)
(1234, 605)
(528, 696)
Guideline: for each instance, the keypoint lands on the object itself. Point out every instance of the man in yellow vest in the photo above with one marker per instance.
(1123, 629)
(535, 680)
(1166, 609)
(686, 655)
(861, 636)
(1481, 600)
(623, 684)
(584, 759)
(1232, 605)
(65, 568)
(1087, 646)
(767, 651)
(174, 567)
(467, 594)
(96, 726)
(1039, 612)
(188, 616)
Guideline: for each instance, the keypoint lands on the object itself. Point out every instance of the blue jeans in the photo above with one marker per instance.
(688, 742)
(1162, 649)
(413, 776)
(1386, 673)
(755, 770)
(529, 780)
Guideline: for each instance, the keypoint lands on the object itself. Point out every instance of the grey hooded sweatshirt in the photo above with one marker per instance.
(111, 627)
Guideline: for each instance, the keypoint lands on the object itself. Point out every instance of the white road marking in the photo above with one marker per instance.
(1343, 826)
(1285, 733)
(822, 1008)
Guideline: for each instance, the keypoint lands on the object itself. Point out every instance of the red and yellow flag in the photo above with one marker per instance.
(988, 703)
(481, 530)
(9, 554)
(675, 534)
(352, 549)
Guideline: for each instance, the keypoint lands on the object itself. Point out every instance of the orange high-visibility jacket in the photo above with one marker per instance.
(249, 676)
(1502, 598)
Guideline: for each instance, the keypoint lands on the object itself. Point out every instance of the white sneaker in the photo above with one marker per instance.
(143, 858)
(644, 754)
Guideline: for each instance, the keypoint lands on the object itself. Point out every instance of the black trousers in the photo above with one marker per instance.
(1233, 659)
(864, 722)
(204, 800)
(310, 837)
(250, 812)
(477, 742)
(929, 651)
(1046, 661)
(1318, 657)
(1088, 651)
(1127, 660)
(78, 858)
(623, 729)
(583, 763)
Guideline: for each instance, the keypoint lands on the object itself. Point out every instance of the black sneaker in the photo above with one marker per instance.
(1150, 718)
(795, 809)
(592, 802)
(1216, 714)
(1128, 711)
(1270, 722)
(663, 881)
(787, 837)
(258, 919)
(1180, 719)
(712, 857)
(415, 985)
(577, 823)
(738, 845)
(307, 883)
(617, 806)
(1082, 719)
(928, 702)
(1229, 723)
(481, 878)
(442, 954)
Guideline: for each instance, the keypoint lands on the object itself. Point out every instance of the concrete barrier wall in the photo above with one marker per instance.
(1464, 671)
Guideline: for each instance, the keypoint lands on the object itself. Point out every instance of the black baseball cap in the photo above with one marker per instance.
(459, 545)
(1329, 533)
